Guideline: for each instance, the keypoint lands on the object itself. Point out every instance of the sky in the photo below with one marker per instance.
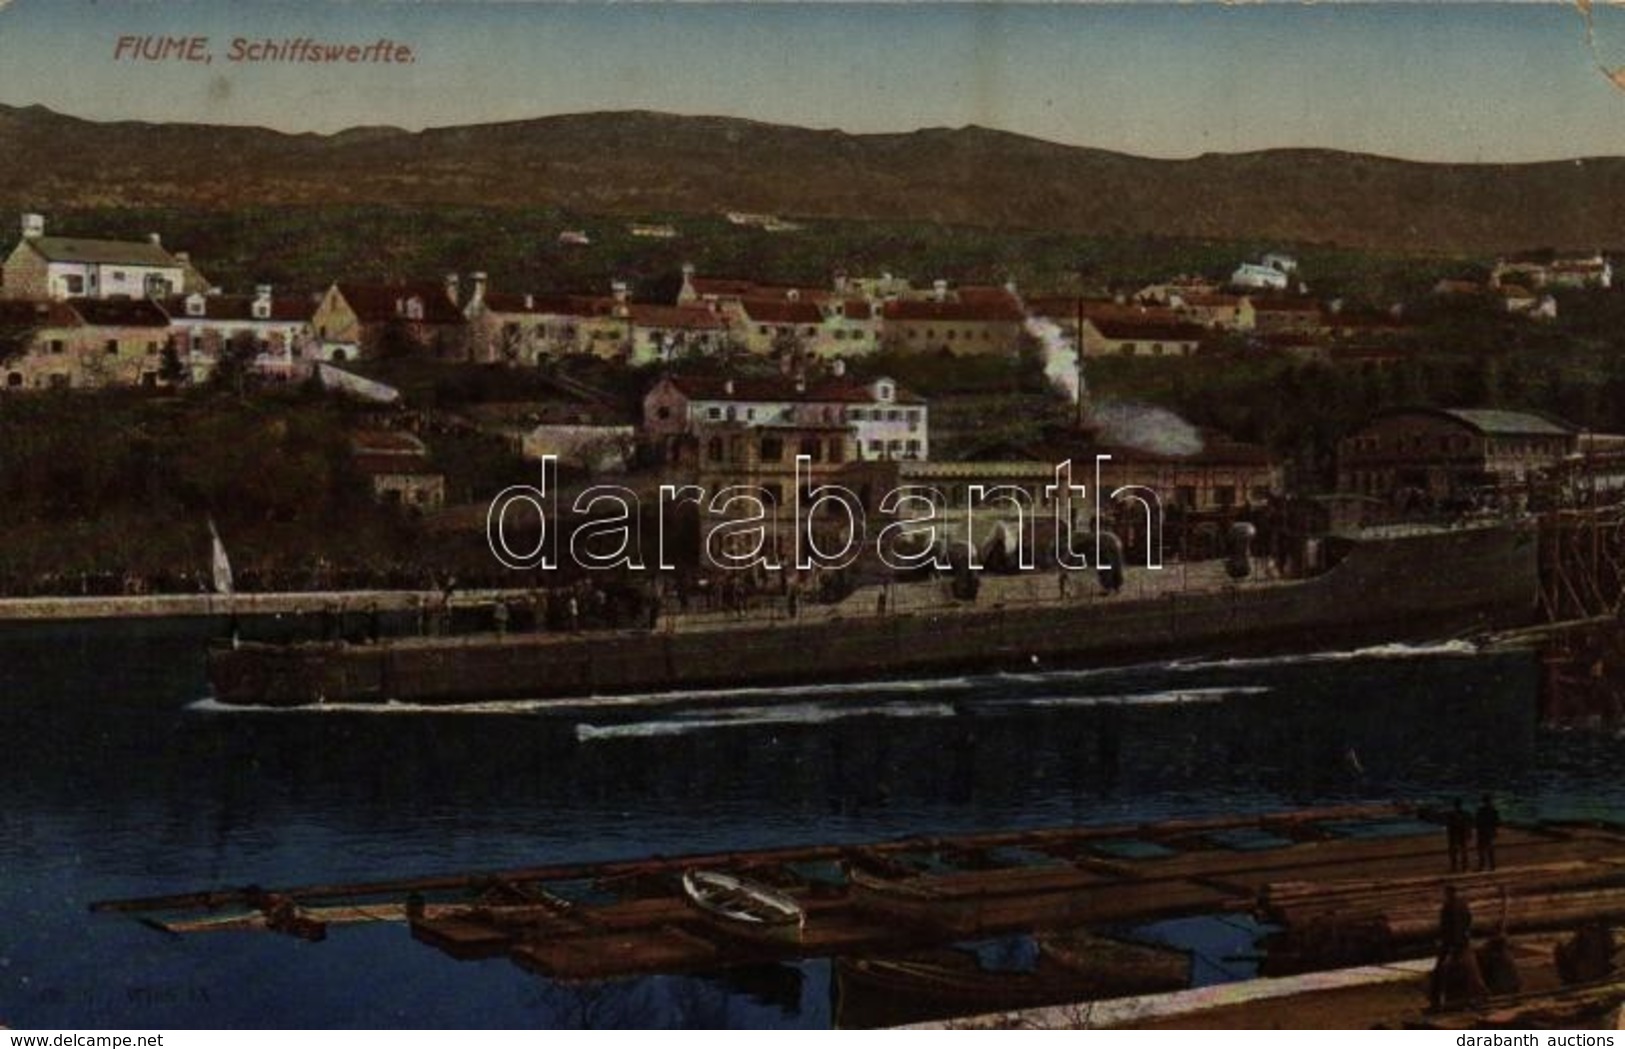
(1420, 80)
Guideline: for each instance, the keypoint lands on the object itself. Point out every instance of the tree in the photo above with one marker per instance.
(171, 370)
(234, 365)
(18, 331)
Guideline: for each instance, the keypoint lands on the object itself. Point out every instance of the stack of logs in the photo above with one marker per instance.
(1357, 922)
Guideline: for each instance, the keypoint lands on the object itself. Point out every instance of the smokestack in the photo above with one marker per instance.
(453, 289)
(33, 225)
(1085, 421)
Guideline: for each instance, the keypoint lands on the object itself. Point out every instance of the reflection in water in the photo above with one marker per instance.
(115, 786)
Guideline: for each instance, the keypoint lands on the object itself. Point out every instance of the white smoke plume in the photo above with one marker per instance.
(1060, 356)
(1126, 423)
(1146, 427)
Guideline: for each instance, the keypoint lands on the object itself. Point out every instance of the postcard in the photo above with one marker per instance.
(810, 515)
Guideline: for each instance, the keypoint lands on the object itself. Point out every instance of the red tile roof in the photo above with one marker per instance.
(780, 311)
(120, 313)
(979, 293)
(386, 442)
(722, 286)
(373, 465)
(16, 313)
(1064, 309)
(381, 303)
(1133, 328)
(649, 315)
(284, 308)
(1286, 306)
(1216, 301)
(931, 310)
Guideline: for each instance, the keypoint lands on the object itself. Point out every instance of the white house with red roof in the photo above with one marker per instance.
(886, 420)
(277, 327)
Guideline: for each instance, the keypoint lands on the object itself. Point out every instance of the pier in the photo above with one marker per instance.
(1341, 886)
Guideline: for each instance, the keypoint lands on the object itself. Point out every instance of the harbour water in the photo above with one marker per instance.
(120, 779)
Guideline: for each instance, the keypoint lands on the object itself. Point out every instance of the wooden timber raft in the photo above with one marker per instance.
(1312, 871)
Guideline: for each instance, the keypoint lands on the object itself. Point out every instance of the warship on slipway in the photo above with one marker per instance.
(1394, 584)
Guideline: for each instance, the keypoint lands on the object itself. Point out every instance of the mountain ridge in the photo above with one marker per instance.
(644, 162)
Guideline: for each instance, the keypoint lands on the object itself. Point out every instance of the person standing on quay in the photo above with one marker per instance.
(1458, 827)
(1489, 822)
(1455, 971)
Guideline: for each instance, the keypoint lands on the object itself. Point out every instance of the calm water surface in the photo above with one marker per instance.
(118, 782)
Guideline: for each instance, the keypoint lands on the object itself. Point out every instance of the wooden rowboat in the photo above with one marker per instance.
(744, 908)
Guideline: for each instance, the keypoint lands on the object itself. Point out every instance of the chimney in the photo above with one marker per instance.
(478, 295)
(840, 282)
(453, 291)
(837, 368)
(530, 301)
(620, 290)
(262, 292)
(939, 290)
(801, 382)
(155, 240)
(728, 387)
(688, 272)
(182, 256)
(33, 225)
(261, 308)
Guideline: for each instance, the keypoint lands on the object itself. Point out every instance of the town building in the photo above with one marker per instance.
(1130, 336)
(768, 318)
(398, 471)
(1300, 316)
(522, 329)
(1440, 456)
(970, 321)
(86, 343)
(1593, 271)
(1263, 278)
(274, 328)
(659, 333)
(1218, 311)
(885, 420)
(355, 319)
(52, 267)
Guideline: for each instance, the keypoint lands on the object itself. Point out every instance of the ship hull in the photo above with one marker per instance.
(1423, 585)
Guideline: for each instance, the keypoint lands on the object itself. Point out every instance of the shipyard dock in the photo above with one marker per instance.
(1330, 888)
